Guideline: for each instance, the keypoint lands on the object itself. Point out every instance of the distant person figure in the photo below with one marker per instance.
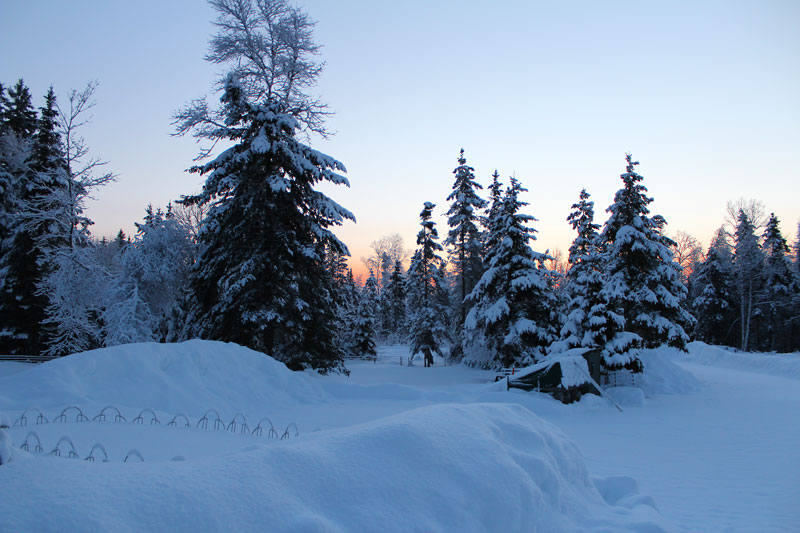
(428, 358)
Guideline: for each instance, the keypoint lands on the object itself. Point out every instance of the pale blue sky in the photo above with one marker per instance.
(704, 94)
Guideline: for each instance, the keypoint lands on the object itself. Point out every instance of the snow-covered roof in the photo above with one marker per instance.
(574, 369)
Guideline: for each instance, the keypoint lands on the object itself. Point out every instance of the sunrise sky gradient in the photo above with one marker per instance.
(704, 94)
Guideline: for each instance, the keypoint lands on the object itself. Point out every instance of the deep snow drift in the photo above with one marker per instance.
(469, 467)
(187, 377)
(442, 468)
(711, 436)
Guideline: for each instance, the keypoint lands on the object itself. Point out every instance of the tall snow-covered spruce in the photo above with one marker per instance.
(585, 317)
(643, 287)
(464, 237)
(36, 224)
(511, 305)
(780, 289)
(261, 279)
(713, 301)
(395, 303)
(426, 287)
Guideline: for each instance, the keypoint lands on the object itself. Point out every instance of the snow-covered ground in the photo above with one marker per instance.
(709, 441)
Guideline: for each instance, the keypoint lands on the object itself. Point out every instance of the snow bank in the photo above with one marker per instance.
(662, 376)
(188, 377)
(783, 365)
(8, 368)
(476, 467)
(626, 396)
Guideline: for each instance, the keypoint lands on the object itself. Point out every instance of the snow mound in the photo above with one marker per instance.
(187, 377)
(475, 467)
(783, 365)
(662, 376)
(626, 396)
(622, 491)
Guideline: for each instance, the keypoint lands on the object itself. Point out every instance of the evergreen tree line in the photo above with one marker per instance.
(745, 292)
(495, 303)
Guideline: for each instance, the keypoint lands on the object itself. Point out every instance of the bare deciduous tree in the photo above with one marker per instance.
(388, 250)
(269, 47)
(687, 252)
(61, 208)
(556, 261)
(85, 172)
(190, 217)
(754, 209)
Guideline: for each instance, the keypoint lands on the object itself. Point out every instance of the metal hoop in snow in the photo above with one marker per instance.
(218, 423)
(174, 421)
(243, 424)
(134, 453)
(140, 420)
(286, 433)
(26, 446)
(102, 416)
(23, 419)
(259, 428)
(79, 417)
(100, 447)
(72, 454)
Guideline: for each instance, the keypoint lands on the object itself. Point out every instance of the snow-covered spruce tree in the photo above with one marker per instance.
(643, 287)
(713, 302)
(780, 289)
(260, 279)
(797, 250)
(18, 114)
(345, 299)
(584, 316)
(426, 286)
(795, 309)
(473, 345)
(17, 124)
(491, 215)
(464, 240)
(511, 305)
(371, 297)
(395, 302)
(22, 308)
(363, 329)
(555, 281)
(121, 240)
(383, 321)
(748, 262)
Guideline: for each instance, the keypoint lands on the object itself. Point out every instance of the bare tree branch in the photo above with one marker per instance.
(269, 47)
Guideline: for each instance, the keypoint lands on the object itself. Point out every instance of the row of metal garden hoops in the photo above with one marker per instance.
(66, 446)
